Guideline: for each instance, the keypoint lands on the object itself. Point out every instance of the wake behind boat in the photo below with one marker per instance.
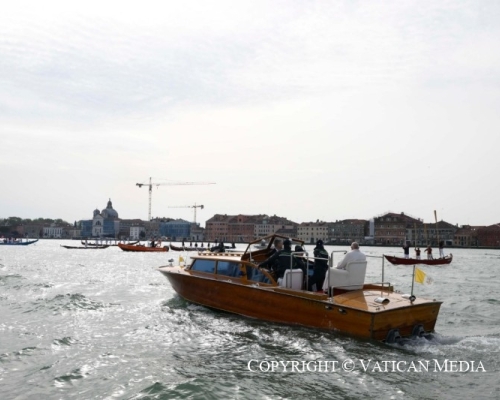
(234, 283)
(413, 261)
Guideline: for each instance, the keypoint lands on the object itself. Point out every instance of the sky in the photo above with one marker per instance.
(310, 110)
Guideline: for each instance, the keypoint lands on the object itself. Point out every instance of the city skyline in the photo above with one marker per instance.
(309, 110)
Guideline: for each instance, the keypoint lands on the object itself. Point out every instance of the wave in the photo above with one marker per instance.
(67, 301)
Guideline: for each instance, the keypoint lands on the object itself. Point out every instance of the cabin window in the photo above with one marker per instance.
(253, 274)
(228, 268)
(204, 266)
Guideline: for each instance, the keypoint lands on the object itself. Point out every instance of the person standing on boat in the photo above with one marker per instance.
(441, 249)
(417, 253)
(320, 267)
(299, 259)
(428, 250)
(406, 248)
(281, 260)
(354, 255)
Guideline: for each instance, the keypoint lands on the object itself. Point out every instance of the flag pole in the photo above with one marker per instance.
(412, 283)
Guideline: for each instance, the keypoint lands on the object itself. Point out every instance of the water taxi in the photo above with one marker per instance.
(234, 283)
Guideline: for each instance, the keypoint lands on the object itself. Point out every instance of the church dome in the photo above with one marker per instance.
(109, 211)
(96, 212)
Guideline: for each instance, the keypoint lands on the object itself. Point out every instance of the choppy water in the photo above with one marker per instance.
(104, 324)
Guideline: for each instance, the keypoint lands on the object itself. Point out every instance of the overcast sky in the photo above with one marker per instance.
(305, 109)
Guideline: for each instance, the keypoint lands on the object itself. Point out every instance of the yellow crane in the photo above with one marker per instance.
(151, 184)
(194, 207)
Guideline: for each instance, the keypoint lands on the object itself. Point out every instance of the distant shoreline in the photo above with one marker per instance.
(305, 244)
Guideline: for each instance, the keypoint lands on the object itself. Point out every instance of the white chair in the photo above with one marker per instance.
(292, 279)
(350, 278)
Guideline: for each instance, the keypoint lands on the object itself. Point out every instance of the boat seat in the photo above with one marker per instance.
(293, 279)
(351, 278)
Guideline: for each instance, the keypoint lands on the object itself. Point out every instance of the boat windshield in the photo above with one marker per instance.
(256, 275)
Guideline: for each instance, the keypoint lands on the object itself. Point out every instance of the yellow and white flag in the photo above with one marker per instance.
(421, 277)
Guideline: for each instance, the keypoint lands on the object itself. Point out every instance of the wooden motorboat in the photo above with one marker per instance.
(413, 261)
(186, 248)
(142, 248)
(234, 283)
(85, 248)
(5, 242)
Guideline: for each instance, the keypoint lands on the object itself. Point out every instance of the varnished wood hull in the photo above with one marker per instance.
(143, 249)
(412, 261)
(346, 313)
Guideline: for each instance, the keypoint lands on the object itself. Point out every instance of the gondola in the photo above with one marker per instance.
(4, 242)
(104, 243)
(184, 248)
(413, 261)
(85, 248)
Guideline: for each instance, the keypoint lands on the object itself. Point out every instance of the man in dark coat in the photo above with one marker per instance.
(281, 260)
(320, 267)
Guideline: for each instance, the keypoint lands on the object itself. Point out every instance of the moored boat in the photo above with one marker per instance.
(142, 248)
(413, 261)
(18, 242)
(234, 283)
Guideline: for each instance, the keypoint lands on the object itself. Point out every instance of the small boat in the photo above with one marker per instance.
(142, 248)
(184, 248)
(233, 282)
(413, 261)
(104, 242)
(85, 248)
(27, 242)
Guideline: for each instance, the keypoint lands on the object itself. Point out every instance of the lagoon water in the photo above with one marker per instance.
(105, 324)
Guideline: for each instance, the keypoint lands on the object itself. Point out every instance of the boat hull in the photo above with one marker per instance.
(345, 313)
(143, 249)
(18, 243)
(412, 261)
(85, 248)
(184, 248)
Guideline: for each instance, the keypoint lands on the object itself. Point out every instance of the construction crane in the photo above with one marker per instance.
(194, 207)
(151, 184)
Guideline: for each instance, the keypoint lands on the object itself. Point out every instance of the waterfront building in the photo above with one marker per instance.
(197, 233)
(489, 236)
(310, 232)
(245, 228)
(466, 236)
(177, 229)
(348, 231)
(392, 228)
(267, 225)
(216, 228)
(53, 231)
(137, 232)
(104, 223)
